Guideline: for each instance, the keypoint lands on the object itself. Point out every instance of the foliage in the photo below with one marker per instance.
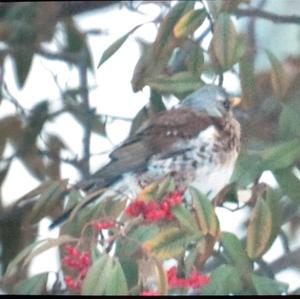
(123, 246)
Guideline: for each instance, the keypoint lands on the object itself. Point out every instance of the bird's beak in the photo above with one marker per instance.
(235, 101)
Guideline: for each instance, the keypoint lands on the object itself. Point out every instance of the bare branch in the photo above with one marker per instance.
(254, 12)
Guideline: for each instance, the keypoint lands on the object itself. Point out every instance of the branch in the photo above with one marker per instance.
(83, 64)
(254, 12)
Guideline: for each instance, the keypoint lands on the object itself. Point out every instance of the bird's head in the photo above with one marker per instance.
(211, 99)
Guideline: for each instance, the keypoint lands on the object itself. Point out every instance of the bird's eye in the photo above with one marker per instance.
(226, 105)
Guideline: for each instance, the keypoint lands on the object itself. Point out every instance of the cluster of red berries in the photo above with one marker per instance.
(196, 280)
(79, 262)
(149, 293)
(154, 211)
(100, 225)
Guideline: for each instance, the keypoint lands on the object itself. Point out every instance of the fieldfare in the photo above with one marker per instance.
(196, 143)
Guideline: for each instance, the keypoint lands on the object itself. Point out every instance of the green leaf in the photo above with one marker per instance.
(115, 46)
(13, 265)
(281, 155)
(267, 286)
(46, 245)
(289, 121)
(246, 68)
(156, 102)
(289, 183)
(22, 60)
(225, 41)
(259, 230)
(206, 216)
(116, 285)
(34, 285)
(126, 247)
(195, 60)
(278, 79)
(248, 168)
(189, 22)
(185, 218)
(225, 280)
(170, 243)
(181, 82)
(98, 276)
(47, 201)
(105, 277)
(236, 253)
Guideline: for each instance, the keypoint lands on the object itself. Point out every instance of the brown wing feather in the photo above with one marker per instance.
(159, 136)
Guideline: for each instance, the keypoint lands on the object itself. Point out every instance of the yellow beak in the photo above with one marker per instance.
(235, 101)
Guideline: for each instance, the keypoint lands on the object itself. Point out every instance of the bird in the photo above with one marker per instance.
(196, 143)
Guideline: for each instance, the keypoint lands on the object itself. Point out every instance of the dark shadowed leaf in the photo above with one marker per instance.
(115, 46)
(189, 22)
(22, 60)
(130, 269)
(34, 285)
(236, 253)
(289, 183)
(205, 214)
(179, 83)
(259, 230)
(225, 41)
(225, 280)
(14, 264)
(278, 79)
(267, 286)
(156, 102)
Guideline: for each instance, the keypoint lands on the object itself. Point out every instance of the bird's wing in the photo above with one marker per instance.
(158, 137)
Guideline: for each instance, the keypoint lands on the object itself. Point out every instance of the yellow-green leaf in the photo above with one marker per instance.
(169, 243)
(189, 22)
(185, 218)
(259, 230)
(167, 25)
(205, 214)
(225, 41)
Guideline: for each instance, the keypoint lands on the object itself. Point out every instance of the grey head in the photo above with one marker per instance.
(211, 99)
